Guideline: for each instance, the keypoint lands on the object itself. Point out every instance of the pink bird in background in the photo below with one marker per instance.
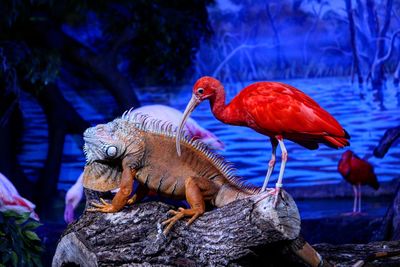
(357, 172)
(159, 112)
(11, 200)
(72, 199)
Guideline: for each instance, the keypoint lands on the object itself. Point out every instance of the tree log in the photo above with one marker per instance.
(350, 254)
(237, 235)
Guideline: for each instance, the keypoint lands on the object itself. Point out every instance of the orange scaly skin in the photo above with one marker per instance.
(274, 109)
(131, 148)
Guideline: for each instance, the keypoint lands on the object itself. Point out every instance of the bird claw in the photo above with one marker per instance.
(104, 207)
(276, 192)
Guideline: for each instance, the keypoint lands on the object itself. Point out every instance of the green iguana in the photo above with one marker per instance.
(136, 148)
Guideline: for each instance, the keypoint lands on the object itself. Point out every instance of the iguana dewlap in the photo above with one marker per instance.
(135, 148)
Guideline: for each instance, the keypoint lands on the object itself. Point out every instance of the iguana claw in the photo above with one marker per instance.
(179, 215)
(104, 207)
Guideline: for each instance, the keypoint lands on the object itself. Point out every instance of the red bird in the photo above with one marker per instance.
(357, 172)
(274, 109)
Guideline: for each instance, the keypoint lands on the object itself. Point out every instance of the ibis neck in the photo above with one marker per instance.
(218, 106)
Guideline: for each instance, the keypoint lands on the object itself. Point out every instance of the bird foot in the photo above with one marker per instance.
(193, 213)
(104, 207)
(276, 192)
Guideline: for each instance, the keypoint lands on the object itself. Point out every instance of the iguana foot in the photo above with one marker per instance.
(104, 207)
(194, 213)
(132, 200)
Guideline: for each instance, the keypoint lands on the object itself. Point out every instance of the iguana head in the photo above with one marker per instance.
(105, 147)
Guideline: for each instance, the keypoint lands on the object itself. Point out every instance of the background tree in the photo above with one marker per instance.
(156, 41)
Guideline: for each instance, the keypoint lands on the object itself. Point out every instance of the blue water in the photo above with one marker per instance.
(359, 111)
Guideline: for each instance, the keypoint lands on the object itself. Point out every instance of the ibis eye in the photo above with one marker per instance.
(111, 151)
(200, 91)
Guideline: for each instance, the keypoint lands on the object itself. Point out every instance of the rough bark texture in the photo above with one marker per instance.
(390, 227)
(349, 254)
(239, 234)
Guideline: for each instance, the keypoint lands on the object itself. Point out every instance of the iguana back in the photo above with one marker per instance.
(134, 147)
(158, 166)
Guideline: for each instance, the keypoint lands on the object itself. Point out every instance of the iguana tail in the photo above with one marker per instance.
(229, 193)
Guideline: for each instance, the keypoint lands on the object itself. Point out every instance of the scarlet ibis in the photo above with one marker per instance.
(11, 200)
(159, 112)
(274, 109)
(357, 172)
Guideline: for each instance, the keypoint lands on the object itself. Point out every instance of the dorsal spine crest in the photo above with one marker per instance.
(153, 126)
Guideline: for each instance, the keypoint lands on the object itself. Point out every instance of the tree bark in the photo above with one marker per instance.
(248, 232)
(350, 254)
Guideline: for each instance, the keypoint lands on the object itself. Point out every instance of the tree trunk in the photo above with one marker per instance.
(10, 143)
(62, 118)
(377, 71)
(356, 58)
(280, 58)
(396, 75)
(104, 69)
(350, 254)
(248, 232)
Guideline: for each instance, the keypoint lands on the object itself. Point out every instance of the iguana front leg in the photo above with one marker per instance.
(141, 192)
(197, 189)
(122, 196)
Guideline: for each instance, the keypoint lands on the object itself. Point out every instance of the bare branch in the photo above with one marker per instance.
(237, 49)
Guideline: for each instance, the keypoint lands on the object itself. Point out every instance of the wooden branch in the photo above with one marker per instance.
(235, 234)
(386, 141)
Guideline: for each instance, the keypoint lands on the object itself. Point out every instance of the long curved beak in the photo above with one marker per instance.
(193, 103)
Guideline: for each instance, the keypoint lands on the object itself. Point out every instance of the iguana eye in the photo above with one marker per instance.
(111, 151)
(200, 91)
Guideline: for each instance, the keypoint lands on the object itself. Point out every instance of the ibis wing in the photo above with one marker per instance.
(279, 108)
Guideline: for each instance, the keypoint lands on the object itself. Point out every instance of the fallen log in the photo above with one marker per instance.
(244, 233)
(383, 254)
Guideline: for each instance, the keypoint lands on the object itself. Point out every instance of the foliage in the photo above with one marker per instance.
(162, 36)
(19, 244)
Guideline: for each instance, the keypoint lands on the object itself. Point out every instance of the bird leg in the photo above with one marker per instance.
(278, 185)
(355, 199)
(359, 198)
(271, 164)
